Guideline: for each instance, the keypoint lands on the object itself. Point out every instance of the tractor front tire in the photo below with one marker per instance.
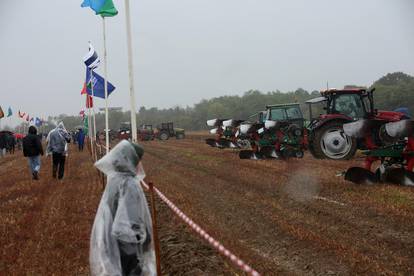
(330, 142)
(180, 136)
(163, 136)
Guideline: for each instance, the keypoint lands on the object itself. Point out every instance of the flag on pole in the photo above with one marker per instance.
(105, 8)
(38, 122)
(28, 118)
(89, 101)
(98, 83)
(91, 59)
(21, 115)
(1, 113)
(9, 112)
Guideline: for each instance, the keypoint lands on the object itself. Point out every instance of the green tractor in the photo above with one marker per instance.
(280, 135)
(167, 130)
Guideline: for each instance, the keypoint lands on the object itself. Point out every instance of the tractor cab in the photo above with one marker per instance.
(351, 104)
(290, 113)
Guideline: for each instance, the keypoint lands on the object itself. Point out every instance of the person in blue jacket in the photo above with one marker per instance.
(81, 139)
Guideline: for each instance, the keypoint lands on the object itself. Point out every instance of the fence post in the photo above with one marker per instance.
(155, 229)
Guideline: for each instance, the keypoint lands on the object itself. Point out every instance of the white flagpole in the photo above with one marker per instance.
(106, 89)
(89, 122)
(131, 73)
(93, 113)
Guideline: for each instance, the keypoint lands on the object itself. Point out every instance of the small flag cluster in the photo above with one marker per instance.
(22, 115)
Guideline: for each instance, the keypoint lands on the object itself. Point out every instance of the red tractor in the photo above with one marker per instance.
(327, 138)
(351, 122)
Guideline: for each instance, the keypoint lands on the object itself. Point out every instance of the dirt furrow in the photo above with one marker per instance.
(328, 223)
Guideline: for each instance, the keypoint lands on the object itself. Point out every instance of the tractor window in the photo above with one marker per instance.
(350, 105)
(367, 104)
(294, 113)
(277, 114)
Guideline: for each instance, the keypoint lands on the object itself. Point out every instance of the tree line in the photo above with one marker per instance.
(392, 91)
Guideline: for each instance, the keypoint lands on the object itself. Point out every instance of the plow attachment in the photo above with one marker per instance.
(393, 175)
(360, 128)
(360, 175)
(224, 143)
(400, 129)
(249, 154)
(399, 176)
(221, 143)
(211, 142)
(264, 153)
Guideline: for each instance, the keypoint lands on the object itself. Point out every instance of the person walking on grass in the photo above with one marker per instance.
(57, 146)
(32, 149)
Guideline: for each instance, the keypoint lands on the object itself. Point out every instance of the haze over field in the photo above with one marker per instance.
(185, 50)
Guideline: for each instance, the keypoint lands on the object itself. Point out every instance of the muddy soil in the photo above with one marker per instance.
(45, 225)
(294, 217)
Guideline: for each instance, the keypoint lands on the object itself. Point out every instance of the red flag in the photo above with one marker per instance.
(89, 101)
(83, 89)
(28, 118)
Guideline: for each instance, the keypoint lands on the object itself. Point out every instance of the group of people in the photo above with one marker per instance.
(57, 146)
(7, 143)
(121, 239)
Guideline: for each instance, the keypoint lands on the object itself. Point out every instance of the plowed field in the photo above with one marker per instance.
(293, 217)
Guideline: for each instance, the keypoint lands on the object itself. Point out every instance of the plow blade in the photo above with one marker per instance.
(232, 123)
(211, 142)
(360, 175)
(400, 129)
(224, 143)
(399, 176)
(360, 128)
(269, 152)
(249, 154)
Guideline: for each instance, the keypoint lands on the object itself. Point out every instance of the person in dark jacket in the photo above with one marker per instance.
(32, 149)
(2, 143)
(11, 143)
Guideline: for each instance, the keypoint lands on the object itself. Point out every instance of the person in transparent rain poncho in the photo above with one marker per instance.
(121, 240)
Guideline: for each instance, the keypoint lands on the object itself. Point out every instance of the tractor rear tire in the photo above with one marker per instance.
(163, 136)
(330, 142)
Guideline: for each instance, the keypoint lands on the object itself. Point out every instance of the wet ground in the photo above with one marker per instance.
(293, 217)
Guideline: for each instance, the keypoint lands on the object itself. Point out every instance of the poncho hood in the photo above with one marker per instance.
(123, 158)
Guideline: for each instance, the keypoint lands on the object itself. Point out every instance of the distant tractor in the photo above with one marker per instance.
(146, 133)
(167, 130)
(124, 131)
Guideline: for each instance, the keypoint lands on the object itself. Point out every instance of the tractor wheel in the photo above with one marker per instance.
(331, 142)
(180, 136)
(163, 136)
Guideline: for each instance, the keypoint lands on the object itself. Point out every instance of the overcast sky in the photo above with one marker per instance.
(188, 50)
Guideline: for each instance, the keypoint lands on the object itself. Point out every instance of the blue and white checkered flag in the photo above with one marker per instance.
(91, 59)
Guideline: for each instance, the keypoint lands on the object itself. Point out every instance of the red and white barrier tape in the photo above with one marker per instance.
(217, 245)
